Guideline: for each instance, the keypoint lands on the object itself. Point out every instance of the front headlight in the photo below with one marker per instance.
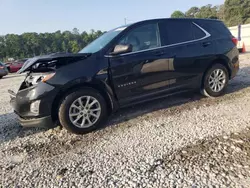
(47, 77)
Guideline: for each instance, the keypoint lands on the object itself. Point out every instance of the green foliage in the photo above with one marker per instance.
(33, 44)
(237, 12)
(178, 14)
(207, 11)
(192, 12)
(220, 12)
(232, 12)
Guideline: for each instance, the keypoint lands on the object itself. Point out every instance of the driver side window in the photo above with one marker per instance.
(142, 38)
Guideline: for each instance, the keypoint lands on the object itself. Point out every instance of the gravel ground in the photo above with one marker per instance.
(180, 141)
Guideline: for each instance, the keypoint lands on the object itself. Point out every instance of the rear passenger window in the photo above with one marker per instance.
(175, 31)
(179, 31)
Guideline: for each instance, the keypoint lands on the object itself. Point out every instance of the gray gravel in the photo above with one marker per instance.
(179, 141)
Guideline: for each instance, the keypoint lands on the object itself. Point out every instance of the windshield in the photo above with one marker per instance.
(102, 41)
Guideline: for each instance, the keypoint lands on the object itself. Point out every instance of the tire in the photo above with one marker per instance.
(69, 104)
(209, 89)
(1, 77)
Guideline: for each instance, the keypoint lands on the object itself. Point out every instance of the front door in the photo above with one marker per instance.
(140, 74)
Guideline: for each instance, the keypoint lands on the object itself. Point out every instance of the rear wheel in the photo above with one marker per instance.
(215, 81)
(1, 77)
(82, 111)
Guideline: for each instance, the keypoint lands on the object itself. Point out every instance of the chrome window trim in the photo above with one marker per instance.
(207, 35)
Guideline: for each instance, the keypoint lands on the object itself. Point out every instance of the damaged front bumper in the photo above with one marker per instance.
(38, 115)
(34, 100)
(45, 122)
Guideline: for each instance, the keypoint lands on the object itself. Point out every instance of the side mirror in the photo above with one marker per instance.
(121, 49)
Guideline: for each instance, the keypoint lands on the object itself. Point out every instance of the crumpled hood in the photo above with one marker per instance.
(27, 66)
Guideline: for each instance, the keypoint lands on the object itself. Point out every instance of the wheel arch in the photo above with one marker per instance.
(99, 86)
(221, 61)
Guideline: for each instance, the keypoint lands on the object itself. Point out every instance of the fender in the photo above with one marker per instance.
(100, 83)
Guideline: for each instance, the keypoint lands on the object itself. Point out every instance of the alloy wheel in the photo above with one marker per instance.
(217, 80)
(85, 111)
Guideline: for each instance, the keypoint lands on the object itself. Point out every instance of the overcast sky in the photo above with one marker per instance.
(19, 16)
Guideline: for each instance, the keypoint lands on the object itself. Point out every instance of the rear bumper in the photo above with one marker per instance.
(235, 69)
(45, 122)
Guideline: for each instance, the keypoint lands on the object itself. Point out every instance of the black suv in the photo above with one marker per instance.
(127, 65)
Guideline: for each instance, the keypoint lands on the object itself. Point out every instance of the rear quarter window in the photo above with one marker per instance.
(197, 32)
(217, 29)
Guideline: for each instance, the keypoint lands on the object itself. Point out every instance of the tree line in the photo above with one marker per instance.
(33, 44)
(232, 12)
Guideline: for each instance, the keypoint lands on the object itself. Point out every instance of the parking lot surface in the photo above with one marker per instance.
(185, 140)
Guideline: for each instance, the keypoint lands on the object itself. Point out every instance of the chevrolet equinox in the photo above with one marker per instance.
(125, 66)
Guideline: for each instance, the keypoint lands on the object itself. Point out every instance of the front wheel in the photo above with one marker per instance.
(215, 81)
(82, 111)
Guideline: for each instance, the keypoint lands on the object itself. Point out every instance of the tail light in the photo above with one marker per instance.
(1, 67)
(235, 40)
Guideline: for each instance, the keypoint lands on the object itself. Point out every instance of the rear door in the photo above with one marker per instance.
(222, 37)
(190, 47)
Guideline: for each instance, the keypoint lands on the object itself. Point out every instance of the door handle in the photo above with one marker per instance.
(205, 44)
(159, 53)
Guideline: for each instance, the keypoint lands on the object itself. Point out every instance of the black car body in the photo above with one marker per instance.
(125, 66)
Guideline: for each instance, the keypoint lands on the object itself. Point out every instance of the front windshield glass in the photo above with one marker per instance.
(102, 41)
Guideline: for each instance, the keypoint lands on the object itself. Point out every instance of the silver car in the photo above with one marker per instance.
(3, 70)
